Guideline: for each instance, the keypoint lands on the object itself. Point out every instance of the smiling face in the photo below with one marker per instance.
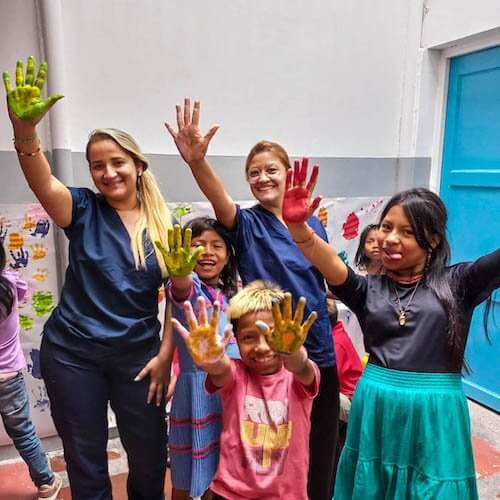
(114, 172)
(215, 257)
(266, 175)
(254, 349)
(400, 251)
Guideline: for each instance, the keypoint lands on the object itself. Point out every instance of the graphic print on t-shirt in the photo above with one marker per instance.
(265, 431)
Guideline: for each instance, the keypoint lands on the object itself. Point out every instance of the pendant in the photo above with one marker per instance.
(402, 318)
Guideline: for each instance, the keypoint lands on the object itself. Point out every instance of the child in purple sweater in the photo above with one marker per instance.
(14, 404)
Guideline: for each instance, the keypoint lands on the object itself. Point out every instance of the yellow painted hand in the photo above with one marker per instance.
(204, 344)
(178, 258)
(288, 334)
(25, 100)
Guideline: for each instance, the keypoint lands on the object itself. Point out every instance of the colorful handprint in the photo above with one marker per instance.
(178, 258)
(297, 205)
(25, 100)
(288, 334)
(203, 342)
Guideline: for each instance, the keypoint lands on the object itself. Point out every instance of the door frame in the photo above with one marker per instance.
(475, 43)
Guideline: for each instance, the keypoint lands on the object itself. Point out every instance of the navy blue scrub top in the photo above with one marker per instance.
(106, 304)
(265, 250)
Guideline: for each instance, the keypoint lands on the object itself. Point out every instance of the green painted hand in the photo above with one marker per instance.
(178, 258)
(204, 344)
(288, 334)
(25, 100)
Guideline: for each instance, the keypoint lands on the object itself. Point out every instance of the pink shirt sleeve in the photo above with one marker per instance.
(20, 285)
(308, 391)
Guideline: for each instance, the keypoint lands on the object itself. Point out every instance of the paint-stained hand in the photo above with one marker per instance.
(178, 258)
(297, 205)
(203, 342)
(289, 333)
(25, 100)
(190, 142)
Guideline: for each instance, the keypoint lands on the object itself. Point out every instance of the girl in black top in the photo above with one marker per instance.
(409, 430)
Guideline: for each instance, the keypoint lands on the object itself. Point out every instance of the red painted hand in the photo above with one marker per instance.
(297, 205)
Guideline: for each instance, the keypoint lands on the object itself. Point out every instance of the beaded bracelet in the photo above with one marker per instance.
(33, 153)
(27, 140)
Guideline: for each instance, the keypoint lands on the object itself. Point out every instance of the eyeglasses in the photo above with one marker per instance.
(254, 175)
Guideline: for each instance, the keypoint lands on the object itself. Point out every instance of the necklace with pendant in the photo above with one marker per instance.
(402, 311)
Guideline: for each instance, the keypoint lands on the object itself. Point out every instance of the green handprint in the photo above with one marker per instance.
(42, 303)
(26, 322)
(178, 258)
(202, 340)
(25, 100)
(343, 257)
(288, 333)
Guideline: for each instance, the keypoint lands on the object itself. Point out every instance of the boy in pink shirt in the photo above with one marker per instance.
(267, 395)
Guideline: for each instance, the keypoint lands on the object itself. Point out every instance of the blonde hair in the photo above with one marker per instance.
(154, 215)
(256, 296)
(268, 147)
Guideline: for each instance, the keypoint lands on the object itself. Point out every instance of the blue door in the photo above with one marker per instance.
(470, 187)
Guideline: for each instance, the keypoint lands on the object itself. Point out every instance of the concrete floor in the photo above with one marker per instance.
(15, 483)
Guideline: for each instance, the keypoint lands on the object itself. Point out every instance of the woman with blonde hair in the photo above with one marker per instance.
(101, 343)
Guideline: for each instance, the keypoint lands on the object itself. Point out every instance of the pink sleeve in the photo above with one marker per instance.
(22, 288)
(308, 391)
(18, 283)
(171, 297)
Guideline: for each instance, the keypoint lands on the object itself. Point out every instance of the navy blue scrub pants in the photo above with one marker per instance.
(79, 390)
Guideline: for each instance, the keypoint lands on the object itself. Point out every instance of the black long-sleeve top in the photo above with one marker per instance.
(421, 344)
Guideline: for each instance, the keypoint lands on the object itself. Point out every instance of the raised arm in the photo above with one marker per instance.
(192, 146)
(297, 209)
(26, 109)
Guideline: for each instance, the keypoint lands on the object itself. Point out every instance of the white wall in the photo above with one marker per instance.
(324, 78)
(448, 21)
(18, 39)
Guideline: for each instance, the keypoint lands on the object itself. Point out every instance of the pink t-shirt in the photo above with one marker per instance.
(11, 354)
(264, 451)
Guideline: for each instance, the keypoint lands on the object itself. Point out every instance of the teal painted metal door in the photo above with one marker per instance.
(470, 187)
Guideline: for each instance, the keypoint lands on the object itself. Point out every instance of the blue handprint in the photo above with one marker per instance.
(34, 366)
(42, 228)
(21, 258)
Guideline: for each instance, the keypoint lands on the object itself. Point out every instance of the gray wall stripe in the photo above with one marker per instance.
(339, 177)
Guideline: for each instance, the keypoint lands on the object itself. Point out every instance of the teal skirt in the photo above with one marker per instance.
(408, 438)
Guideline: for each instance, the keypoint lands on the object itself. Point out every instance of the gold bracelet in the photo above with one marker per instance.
(34, 153)
(27, 140)
(309, 238)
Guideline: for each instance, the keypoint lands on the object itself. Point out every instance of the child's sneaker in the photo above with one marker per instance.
(50, 491)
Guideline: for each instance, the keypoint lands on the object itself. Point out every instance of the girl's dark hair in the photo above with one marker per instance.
(360, 259)
(6, 292)
(228, 278)
(428, 217)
